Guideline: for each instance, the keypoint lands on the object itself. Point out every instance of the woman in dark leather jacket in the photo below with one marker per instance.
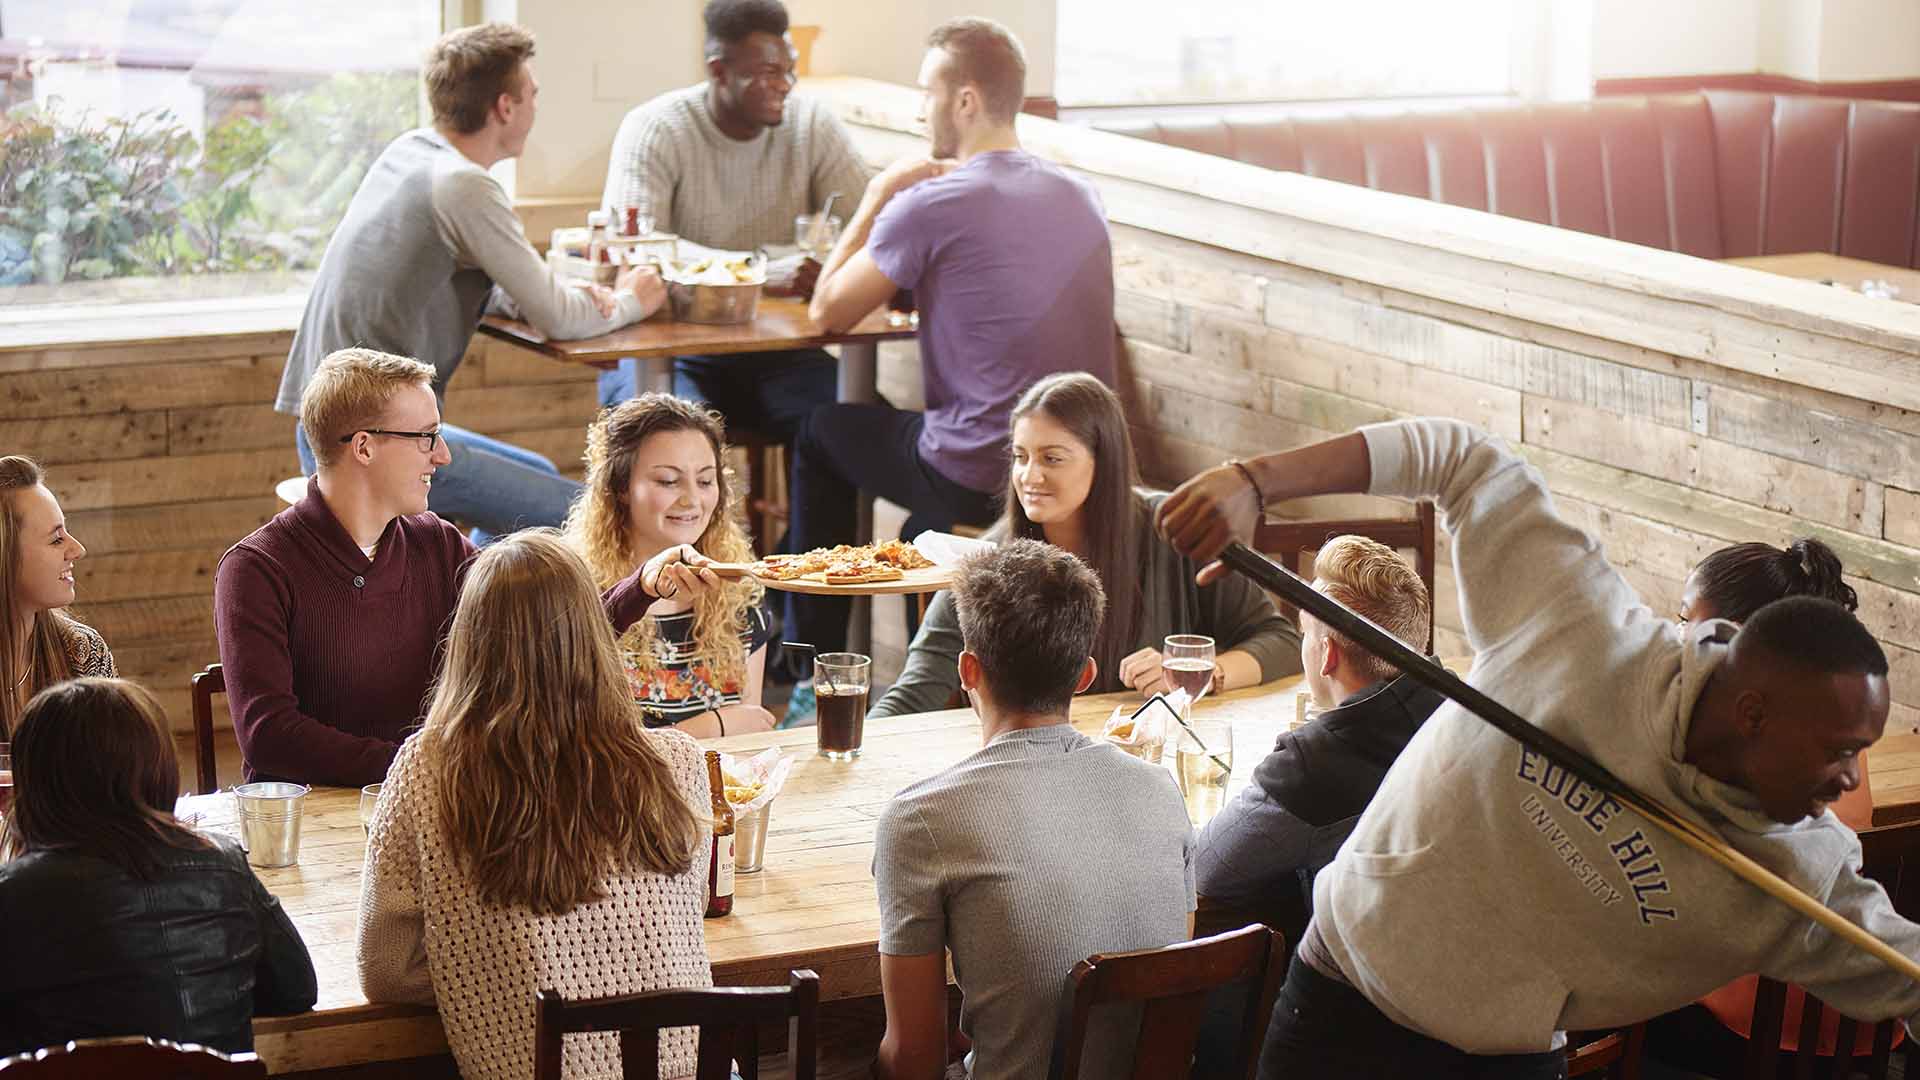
(114, 918)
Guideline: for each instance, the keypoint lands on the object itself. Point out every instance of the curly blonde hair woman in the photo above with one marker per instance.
(533, 834)
(657, 477)
(40, 644)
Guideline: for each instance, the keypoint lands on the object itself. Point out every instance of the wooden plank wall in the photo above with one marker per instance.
(164, 454)
(1662, 458)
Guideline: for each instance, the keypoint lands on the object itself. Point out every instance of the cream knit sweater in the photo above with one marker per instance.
(426, 937)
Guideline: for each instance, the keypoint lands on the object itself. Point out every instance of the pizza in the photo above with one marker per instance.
(845, 564)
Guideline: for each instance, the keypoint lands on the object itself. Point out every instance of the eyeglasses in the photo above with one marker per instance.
(427, 439)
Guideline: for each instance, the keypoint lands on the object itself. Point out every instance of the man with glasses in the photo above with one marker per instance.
(729, 163)
(330, 615)
(429, 243)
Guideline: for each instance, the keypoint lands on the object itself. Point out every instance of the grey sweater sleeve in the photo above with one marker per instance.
(1238, 615)
(932, 673)
(1844, 976)
(1520, 568)
(837, 165)
(481, 229)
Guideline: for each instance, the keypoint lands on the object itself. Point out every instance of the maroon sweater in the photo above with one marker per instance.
(328, 655)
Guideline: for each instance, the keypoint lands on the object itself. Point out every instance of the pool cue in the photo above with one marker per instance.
(1287, 585)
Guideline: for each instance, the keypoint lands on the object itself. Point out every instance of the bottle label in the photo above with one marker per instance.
(723, 865)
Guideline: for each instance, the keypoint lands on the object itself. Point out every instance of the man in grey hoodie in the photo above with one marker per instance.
(1488, 901)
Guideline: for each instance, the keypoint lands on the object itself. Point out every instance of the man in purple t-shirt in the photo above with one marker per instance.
(1011, 268)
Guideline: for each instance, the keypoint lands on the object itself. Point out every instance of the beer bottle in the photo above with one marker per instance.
(720, 858)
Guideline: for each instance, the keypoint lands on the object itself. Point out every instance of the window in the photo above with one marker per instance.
(1136, 52)
(177, 149)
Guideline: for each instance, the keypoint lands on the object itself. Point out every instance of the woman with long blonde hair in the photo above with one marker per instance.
(534, 834)
(40, 644)
(656, 478)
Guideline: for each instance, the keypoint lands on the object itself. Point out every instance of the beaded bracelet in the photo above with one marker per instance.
(1259, 497)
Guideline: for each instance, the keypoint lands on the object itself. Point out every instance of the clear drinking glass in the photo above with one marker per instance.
(840, 685)
(1203, 763)
(369, 798)
(804, 239)
(1186, 661)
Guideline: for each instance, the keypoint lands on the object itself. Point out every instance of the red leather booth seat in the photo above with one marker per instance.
(1719, 174)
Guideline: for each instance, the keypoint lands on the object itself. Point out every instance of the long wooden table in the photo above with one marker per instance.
(1838, 270)
(778, 324)
(812, 906)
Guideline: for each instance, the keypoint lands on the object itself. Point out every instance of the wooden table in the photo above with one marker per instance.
(813, 905)
(780, 324)
(1838, 270)
(1893, 770)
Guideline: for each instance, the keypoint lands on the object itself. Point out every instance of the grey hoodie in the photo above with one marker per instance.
(1489, 900)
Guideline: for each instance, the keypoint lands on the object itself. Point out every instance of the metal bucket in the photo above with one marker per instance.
(750, 839)
(715, 305)
(270, 822)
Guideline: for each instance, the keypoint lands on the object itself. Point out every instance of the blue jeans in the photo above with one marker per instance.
(768, 392)
(492, 486)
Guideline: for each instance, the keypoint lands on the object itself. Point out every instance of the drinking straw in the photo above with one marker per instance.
(1358, 628)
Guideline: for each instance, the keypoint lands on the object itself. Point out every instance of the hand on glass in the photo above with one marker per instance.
(1207, 513)
(678, 572)
(645, 284)
(1141, 671)
(793, 275)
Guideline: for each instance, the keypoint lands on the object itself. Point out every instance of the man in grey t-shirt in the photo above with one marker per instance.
(1043, 848)
(729, 163)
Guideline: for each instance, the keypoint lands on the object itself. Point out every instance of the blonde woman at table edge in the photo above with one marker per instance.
(545, 836)
(40, 643)
(657, 478)
(1072, 484)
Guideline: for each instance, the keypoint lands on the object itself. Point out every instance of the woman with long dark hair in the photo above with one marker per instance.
(119, 919)
(1073, 484)
(40, 644)
(534, 834)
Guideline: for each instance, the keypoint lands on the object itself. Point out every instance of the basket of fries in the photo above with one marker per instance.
(751, 783)
(718, 290)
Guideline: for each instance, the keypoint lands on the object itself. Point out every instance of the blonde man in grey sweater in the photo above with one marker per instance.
(1488, 901)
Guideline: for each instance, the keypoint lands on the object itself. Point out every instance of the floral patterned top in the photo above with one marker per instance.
(682, 684)
(87, 652)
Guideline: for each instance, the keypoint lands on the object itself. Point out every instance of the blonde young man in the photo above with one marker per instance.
(430, 243)
(329, 616)
(1260, 853)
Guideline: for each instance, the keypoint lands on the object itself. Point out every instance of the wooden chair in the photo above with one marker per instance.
(727, 1016)
(1173, 984)
(1615, 1055)
(1890, 855)
(766, 487)
(204, 685)
(1290, 539)
(136, 1055)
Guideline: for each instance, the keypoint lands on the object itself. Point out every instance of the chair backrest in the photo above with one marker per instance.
(1615, 1055)
(1290, 539)
(728, 1018)
(1172, 984)
(204, 685)
(1889, 855)
(152, 1059)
